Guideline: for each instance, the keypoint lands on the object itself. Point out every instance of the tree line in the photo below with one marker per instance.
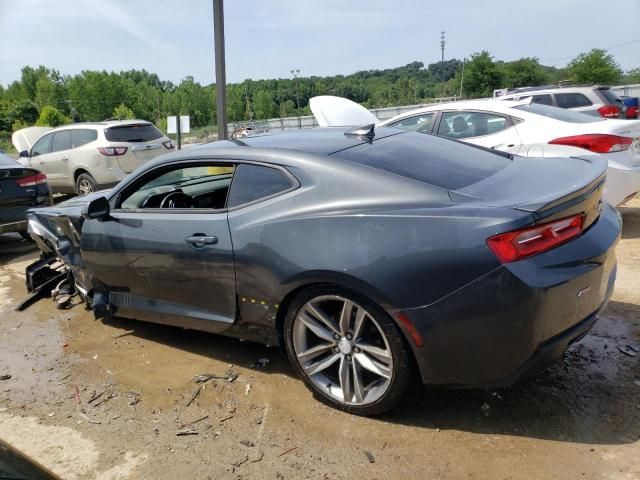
(43, 96)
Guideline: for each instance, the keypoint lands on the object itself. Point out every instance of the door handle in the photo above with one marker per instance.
(200, 240)
(65, 159)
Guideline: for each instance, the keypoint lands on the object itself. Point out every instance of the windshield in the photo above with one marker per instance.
(558, 113)
(143, 132)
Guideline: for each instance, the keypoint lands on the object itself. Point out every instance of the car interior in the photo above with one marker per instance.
(192, 187)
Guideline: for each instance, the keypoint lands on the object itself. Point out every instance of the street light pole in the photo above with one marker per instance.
(295, 74)
(221, 76)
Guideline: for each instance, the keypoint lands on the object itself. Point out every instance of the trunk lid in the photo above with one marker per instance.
(142, 139)
(549, 188)
(333, 111)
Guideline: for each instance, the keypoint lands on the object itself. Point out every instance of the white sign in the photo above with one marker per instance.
(185, 125)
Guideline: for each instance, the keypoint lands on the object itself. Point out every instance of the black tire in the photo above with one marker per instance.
(401, 356)
(85, 183)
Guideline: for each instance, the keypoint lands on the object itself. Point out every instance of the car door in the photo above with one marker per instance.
(159, 261)
(57, 161)
(487, 129)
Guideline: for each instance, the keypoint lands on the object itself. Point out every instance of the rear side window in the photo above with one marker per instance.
(144, 132)
(82, 136)
(419, 123)
(463, 124)
(42, 146)
(61, 141)
(429, 159)
(610, 96)
(544, 99)
(255, 182)
(572, 100)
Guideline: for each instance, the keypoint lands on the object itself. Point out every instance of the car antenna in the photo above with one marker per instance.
(367, 130)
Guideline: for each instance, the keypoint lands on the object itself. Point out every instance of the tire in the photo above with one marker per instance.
(85, 184)
(323, 351)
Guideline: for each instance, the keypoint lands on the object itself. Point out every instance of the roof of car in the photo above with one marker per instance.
(106, 123)
(489, 105)
(324, 141)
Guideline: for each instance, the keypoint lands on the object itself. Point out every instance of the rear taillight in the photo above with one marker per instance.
(519, 244)
(632, 112)
(32, 180)
(609, 111)
(168, 144)
(596, 142)
(112, 151)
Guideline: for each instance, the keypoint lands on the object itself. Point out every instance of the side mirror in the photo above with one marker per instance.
(98, 208)
(24, 154)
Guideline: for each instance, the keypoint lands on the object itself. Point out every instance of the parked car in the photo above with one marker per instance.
(21, 188)
(84, 157)
(522, 128)
(596, 100)
(632, 106)
(368, 254)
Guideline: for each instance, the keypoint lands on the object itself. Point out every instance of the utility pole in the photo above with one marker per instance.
(462, 77)
(221, 76)
(442, 43)
(295, 74)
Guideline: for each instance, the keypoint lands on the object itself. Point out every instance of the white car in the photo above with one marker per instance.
(84, 157)
(521, 128)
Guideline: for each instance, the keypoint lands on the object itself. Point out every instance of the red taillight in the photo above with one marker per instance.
(596, 142)
(609, 111)
(168, 144)
(632, 112)
(32, 180)
(519, 244)
(112, 151)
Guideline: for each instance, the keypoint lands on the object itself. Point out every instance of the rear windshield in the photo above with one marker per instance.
(143, 132)
(558, 113)
(437, 161)
(610, 96)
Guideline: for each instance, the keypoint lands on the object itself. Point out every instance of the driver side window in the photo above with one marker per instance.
(42, 146)
(203, 186)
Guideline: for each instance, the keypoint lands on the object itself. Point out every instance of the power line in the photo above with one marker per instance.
(606, 50)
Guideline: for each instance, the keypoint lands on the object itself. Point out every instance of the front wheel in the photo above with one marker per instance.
(85, 184)
(347, 349)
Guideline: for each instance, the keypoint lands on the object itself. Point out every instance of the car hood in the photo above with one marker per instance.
(24, 139)
(333, 111)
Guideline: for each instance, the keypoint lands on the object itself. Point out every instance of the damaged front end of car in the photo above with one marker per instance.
(60, 271)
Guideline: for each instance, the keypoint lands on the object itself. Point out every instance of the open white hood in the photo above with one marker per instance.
(25, 138)
(339, 112)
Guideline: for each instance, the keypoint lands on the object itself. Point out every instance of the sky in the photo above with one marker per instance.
(268, 38)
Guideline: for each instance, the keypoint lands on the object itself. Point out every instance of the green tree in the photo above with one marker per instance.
(287, 109)
(596, 66)
(523, 72)
(481, 76)
(51, 117)
(122, 112)
(632, 76)
(263, 102)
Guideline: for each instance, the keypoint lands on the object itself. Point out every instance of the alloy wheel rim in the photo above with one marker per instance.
(342, 349)
(85, 187)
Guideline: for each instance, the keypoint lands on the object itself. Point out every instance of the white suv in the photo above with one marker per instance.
(84, 157)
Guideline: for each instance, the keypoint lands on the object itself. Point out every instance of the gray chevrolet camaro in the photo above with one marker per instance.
(369, 255)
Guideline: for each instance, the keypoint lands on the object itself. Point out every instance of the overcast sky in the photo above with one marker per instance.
(267, 38)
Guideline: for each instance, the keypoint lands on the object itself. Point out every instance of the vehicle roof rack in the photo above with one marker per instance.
(367, 130)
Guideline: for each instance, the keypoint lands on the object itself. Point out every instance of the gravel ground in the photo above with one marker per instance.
(118, 400)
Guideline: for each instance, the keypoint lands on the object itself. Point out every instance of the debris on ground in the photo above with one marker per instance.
(105, 399)
(95, 422)
(287, 451)
(629, 350)
(230, 376)
(95, 396)
(247, 389)
(123, 334)
(133, 398)
(6, 376)
(189, 431)
(370, 457)
(194, 395)
(242, 461)
(247, 443)
(258, 458)
(77, 394)
(261, 363)
(485, 409)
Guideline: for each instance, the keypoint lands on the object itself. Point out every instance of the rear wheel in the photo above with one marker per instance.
(85, 184)
(347, 350)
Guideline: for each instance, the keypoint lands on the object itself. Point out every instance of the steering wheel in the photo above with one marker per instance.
(177, 199)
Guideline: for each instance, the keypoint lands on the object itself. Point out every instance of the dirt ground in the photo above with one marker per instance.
(114, 400)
